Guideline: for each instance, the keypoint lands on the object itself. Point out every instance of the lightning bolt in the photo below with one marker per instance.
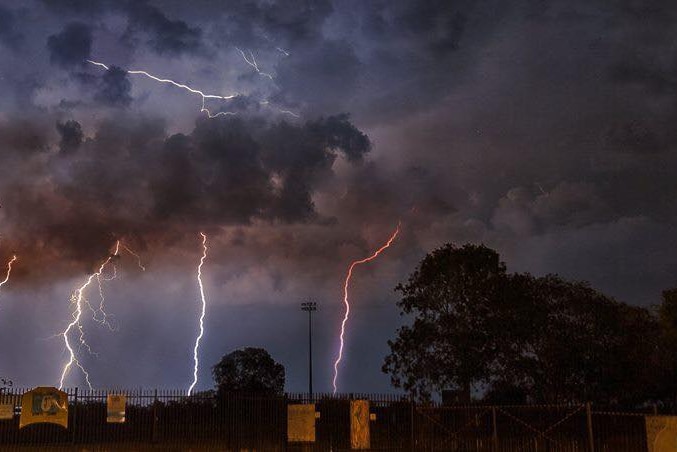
(252, 62)
(196, 361)
(9, 270)
(203, 96)
(78, 298)
(345, 297)
(80, 301)
(138, 258)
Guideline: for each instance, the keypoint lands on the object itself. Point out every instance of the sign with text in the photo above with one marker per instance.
(359, 425)
(301, 423)
(44, 404)
(115, 408)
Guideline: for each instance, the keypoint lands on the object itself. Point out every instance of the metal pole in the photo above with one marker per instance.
(494, 433)
(310, 353)
(155, 414)
(310, 306)
(75, 414)
(591, 438)
(412, 410)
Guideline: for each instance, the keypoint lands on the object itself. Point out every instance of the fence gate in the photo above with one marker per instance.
(454, 428)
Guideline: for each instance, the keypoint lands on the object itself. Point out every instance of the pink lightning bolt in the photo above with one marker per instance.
(345, 296)
(9, 270)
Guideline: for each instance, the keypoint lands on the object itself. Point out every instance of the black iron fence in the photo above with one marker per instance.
(171, 420)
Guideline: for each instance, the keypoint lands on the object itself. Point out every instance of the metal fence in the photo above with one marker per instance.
(170, 420)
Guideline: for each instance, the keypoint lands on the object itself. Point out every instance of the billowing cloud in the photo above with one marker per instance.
(133, 179)
(71, 136)
(544, 129)
(72, 46)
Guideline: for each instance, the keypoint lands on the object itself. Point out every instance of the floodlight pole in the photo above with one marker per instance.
(310, 307)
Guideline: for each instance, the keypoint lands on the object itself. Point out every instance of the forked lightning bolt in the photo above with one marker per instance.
(182, 86)
(203, 96)
(9, 270)
(196, 360)
(347, 303)
(79, 300)
(252, 62)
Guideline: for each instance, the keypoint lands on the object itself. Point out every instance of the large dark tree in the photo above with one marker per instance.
(564, 341)
(250, 370)
(518, 338)
(452, 296)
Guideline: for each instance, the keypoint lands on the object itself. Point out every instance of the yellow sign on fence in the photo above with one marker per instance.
(301, 423)
(6, 411)
(44, 404)
(115, 408)
(359, 424)
(661, 433)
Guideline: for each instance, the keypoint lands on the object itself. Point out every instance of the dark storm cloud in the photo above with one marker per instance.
(72, 46)
(261, 23)
(634, 137)
(10, 34)
(22, 137)
(163, 35)
(132, 179)
(166, 36)
(114, 88)
(544, 129)
(323, 76)
(71, 136)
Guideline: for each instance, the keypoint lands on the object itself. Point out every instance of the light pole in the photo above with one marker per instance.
(310, 307)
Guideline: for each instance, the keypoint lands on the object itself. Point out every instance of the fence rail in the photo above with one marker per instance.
(171, 420)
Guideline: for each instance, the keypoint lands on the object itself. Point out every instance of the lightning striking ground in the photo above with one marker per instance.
(347, 303)
(196, 360)
(78, 298)
(203, 96)
(80, 301)
(9, 270)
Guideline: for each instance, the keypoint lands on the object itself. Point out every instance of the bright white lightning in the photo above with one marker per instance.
(203, 96)
(252, 62)
(196, 361)
(345, 297)
(9, 270)
(78, 298)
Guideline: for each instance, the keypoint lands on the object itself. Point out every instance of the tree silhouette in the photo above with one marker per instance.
(250, 370)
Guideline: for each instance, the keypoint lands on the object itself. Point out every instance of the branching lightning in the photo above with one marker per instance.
(347, 303)
(252, 62)
(9, 270)
(98, 314)
(196, 361)
(203, 96)
(138, 258)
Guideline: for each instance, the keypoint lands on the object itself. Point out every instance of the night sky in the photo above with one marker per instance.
(544, 129)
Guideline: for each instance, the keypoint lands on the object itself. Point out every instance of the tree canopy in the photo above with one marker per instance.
(250, 370)
(515, 338)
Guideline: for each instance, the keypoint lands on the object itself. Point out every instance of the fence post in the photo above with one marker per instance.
(591, 438)
(494, 432)
(75, 415)
(154, 428)
(413, 431)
